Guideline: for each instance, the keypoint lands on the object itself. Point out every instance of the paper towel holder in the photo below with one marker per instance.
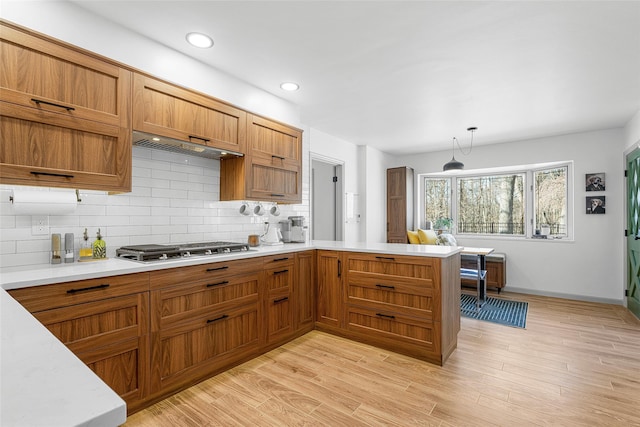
(77, 197)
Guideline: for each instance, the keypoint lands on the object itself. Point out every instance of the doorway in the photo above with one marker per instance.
(633, 232)
(326, 199)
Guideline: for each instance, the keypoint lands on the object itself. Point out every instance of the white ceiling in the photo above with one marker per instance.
(407, 76)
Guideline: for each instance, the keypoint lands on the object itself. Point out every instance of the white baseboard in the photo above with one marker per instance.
(565, 296)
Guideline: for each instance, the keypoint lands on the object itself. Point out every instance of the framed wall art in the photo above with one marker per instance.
(596, 205)
(595, 181)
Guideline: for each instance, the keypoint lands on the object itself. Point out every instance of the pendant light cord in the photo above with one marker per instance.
(470, 145)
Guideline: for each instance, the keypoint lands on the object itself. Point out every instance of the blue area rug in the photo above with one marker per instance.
(502, 311)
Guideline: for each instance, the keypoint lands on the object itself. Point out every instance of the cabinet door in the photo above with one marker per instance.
(65, 116)
(163, 109)
(303, 290)
(111, 337)
(272, 168)
(277, 143)
(277, 283)
(38, 149)
(195, 350)
(269, 182)
(329, 288)
(279, 311)
(56, 79)
(399, 204)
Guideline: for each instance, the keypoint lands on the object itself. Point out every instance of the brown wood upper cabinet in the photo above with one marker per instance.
(64, 115)
(272, 167)
(166, 110)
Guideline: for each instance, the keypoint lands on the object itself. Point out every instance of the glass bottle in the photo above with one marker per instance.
(99, 247)
(86, 252)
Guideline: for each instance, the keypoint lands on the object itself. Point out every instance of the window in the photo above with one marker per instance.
(491, 204)
(550, 198)
(502, 202)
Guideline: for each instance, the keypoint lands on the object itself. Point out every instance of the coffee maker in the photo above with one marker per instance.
(298, 229)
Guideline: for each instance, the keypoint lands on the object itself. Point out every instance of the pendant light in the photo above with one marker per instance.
(454, 164)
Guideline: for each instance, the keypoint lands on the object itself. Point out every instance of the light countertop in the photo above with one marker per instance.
(22, 277)
(45, 384)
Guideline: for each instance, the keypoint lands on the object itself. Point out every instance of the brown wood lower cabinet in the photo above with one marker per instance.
(148, 335)
(402, 303)
(105, 322)
(203, 319)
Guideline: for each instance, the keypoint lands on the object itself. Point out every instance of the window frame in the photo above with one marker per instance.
(529, 197)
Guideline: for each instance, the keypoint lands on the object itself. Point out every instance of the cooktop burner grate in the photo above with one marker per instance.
(155, 252)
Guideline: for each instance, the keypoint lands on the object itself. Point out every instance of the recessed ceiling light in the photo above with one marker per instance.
(199, 40)
(289, 86)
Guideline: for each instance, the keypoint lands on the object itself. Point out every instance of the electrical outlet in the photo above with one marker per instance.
(39, 225)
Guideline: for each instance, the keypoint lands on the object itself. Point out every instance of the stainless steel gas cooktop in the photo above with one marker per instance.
(152, 252)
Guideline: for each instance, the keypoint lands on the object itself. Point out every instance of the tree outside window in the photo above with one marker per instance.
(499, 204)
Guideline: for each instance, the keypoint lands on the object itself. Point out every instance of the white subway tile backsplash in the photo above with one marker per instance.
(174, 199)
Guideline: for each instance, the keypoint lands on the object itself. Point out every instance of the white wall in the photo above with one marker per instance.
(590, 267)
(632, 131)
(340, 151)
(375, 190)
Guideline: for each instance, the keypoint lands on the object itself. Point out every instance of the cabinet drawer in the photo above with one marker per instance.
(278, 260)
(39, 298)
(94, 324)
(212, 272)
(396, 267)
(184, 303)
(279, 278)
(391, 295)
(391, 325)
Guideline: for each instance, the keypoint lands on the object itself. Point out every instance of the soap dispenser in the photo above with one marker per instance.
(86, 252)
(99, 247)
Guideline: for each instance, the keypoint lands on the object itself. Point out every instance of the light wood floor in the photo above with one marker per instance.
(575, 364)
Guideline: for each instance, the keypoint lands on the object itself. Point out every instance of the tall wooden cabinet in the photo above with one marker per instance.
(399, 204)
(64, 115)
(105, 322)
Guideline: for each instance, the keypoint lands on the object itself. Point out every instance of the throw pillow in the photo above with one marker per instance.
(414, 239)
(446, 239)
(427, 237)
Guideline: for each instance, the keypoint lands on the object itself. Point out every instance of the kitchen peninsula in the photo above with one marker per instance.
(401, 297)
